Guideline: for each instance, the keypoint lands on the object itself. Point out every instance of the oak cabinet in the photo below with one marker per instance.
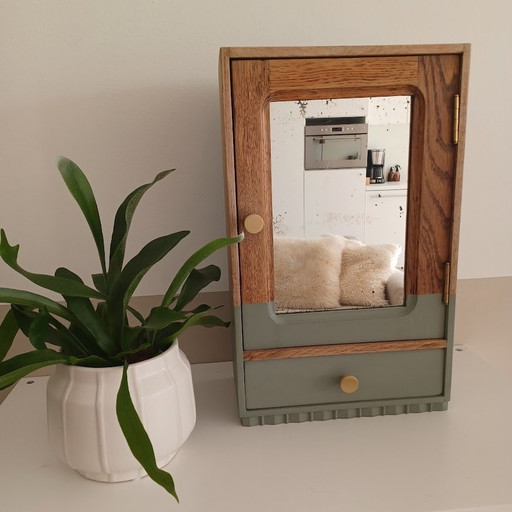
(289, 365)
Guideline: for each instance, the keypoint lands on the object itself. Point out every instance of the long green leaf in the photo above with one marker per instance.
(202, 308)
(24, 315)
(90, 321)
(122, 290)
(173, 330)
(100, 282)
(138, 266)
(60, 285)
(195, 282)
(161, 317)
(13, 296)
(79, 332)
(8, 331)
(137, 437)
(81, 190)
(166, 336)
(62, 337)
(56, 333)
(90, 362)
(193, 261)
(205, 321)
(133, 338)
(135, 313)
(122, 224)
(39, 329)
(134, 351)
(12, 370)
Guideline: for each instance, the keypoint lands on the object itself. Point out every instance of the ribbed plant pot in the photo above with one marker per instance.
(82, 422)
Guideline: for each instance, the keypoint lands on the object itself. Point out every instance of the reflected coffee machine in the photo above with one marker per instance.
(375, 169)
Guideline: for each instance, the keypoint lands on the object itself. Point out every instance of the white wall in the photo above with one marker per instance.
(129, 87)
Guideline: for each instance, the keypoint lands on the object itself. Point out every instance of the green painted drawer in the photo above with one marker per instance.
(315, 380)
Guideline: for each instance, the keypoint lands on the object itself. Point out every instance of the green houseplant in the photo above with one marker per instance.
(96, 326)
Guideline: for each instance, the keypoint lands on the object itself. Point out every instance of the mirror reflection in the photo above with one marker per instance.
(339, 200)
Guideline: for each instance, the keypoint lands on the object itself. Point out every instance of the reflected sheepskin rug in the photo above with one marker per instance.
(365, 271)
(307, 272)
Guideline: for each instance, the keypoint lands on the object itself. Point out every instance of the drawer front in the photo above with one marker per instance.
(316, 380)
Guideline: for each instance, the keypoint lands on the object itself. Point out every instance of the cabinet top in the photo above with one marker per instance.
(286, 52)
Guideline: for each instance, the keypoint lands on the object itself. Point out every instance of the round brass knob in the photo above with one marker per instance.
(349, 384)
(253, 223)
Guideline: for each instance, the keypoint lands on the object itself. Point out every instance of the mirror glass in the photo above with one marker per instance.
(339, 202)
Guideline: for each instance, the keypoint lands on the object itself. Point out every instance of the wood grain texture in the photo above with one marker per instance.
(300, 52)
(250, 80)
(457, 198)
(439, 82)
(320, 74)
(342, 91)
(346, 348)
(431, 74)
(414, 210)
(229, 171)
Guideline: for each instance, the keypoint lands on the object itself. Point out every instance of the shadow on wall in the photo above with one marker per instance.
(482, 319)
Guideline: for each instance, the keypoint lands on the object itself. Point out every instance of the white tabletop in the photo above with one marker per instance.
(460, 459)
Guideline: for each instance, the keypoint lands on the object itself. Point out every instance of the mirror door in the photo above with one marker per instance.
(431, 81)
(432, 77)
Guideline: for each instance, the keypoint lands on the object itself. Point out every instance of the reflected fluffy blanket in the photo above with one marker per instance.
(333, 272)
(365, 270)
(307, 272)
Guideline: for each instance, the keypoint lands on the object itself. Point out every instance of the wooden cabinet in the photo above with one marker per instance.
(288, 366)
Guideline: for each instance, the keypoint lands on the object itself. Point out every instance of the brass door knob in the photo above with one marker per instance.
(349, 384)
(253, 223)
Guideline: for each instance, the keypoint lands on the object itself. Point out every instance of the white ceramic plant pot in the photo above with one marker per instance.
(82, 422)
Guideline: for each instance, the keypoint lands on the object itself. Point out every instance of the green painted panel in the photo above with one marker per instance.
(425, 312)
(315, 380)
(423, 317)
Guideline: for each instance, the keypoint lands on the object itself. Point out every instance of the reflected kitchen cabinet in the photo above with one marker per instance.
(385, 216)
(334, 202)
(344, 295)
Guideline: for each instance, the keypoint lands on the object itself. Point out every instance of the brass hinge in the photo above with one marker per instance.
(446, 291)
(455, 120)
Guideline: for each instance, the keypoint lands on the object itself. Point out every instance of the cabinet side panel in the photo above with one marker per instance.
(229, 169)
(464, 80)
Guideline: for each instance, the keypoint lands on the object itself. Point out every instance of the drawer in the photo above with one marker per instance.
(316, 380)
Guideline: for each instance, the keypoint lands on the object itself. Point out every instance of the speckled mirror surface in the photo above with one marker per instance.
(335, 212)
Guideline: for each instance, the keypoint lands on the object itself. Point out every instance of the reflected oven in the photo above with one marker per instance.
(335, 143)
